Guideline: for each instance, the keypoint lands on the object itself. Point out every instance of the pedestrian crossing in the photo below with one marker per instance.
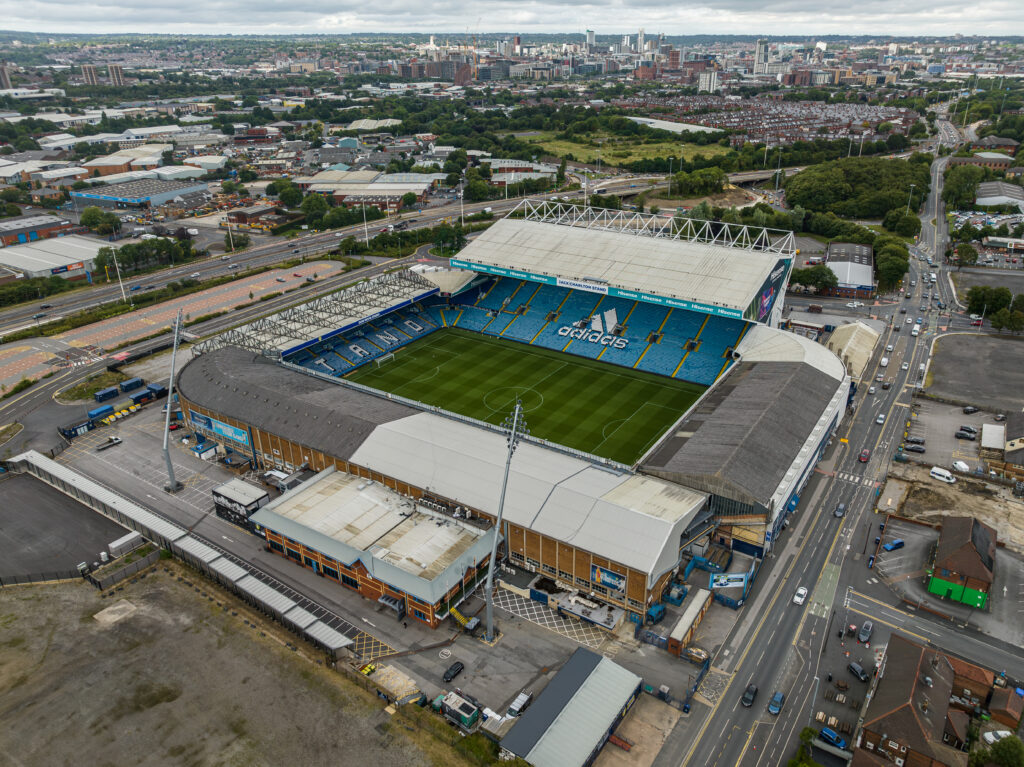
(854, 479)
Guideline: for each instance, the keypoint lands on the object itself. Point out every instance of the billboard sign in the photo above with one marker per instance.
(760, 308)
(607, 578)
(220, 428)
(727, 580)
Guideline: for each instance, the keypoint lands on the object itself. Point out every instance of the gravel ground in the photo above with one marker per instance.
(168, 677)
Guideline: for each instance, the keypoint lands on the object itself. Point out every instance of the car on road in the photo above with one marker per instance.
(881, 418)
(296, 274)
(871, 390)
(864, 635)
(905, 366)
(854, 304)
(970, 410)
(889, 348)
(994, 736)
(296, 250)
(454, 670)
(976, 323)
(50, 306)
(865, 455)
(880, 377)
(800, 596)
(858, 671)
(903, 310)
(961, 434)
(281, 279)
(225, 258)
(195, 275)
(38, 315)
(748, 695)
(910, 320)
(920, 320)
(913, 448)
(922, 308)
(886, 384)
(775, 704)
(840, 510)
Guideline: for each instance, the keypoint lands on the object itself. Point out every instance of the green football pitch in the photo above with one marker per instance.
(581, 403)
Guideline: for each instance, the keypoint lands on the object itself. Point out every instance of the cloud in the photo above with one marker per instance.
(797, 18)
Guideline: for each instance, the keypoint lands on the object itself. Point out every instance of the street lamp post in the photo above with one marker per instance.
(910, 196)
(515, 424)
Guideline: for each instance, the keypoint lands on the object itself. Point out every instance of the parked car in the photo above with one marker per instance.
(748, 695)
(832, 737)
(695, 654)
(961, 466)
(893, 545)
(914, 449)
(864, 635)
(994, 736)
(454, 670)
(970, 409)
(1000, 417)
(968, 427)
(800, 596)
(858, 671)
(111, 441)
(914, 440)
(961, 434)
(775, 704)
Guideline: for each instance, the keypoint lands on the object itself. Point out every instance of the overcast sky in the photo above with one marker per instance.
(799, 18)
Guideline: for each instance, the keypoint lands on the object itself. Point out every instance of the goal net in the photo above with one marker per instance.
(384, 359)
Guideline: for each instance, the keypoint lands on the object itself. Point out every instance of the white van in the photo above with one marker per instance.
(916, 330)
(885, 362)
(961, 466)
(942, 475)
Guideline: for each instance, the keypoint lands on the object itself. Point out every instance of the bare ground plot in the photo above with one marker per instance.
(169, 677)
(929, 501)
(965, 280)
(42, 530)
(983, 370)
(730, 197)
(646, 726)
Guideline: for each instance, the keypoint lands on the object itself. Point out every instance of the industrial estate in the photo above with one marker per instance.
(550, 400)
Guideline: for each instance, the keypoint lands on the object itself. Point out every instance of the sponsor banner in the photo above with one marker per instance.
(580, 285)
(760, 308)
(725, 580)
(58, 270)
(220, 428)
(593, 337)
(633, 295)
(607, 578)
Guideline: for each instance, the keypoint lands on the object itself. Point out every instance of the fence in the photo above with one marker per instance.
(56, 575)
(125, 572)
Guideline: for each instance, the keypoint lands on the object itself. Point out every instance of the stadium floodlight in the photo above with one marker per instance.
(515, 425)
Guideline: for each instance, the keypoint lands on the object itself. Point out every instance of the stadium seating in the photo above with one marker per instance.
(496, 296)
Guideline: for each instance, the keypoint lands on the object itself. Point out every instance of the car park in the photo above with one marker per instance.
(865, 455)
(749, 695)
(961, 434)
(454, 670)
(858, 671)
(776, 703)
(800, 596)
(864, 635)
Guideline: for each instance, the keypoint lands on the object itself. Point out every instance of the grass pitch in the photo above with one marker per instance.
(585, 404)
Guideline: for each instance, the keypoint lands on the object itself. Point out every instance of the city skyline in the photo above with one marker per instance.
(737, 17)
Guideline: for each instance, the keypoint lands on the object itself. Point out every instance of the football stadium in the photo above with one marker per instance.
(667, 413)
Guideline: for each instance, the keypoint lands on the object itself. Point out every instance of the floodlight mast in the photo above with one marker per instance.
(515, 424)
(173, 485)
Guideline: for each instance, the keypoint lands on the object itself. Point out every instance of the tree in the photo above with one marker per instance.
(241, 241)
(560, 175)
(966, 255)
(477, 191)
(91, 217)
(1000, 320)
(908, 226)
(314, 207)
(982, 299)
(1016, 322)
(1017, 305)
(409, 199)
(289, 196)
(1008, 752)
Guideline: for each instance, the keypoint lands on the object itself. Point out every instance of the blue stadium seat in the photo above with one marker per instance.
(496, 295)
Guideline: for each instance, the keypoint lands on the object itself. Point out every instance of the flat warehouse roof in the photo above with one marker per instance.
(140, 189)
(51, 253)
(701, 272)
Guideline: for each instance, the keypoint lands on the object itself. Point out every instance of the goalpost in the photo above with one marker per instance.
(383, 359)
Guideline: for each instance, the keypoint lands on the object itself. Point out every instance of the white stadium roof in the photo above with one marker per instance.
(703, 272)
(632, 519)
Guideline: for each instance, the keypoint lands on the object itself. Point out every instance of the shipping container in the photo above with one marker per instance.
(131, 384)
(158, 390)
(142, 396)
(104, 394)
(101, 412)
(123, 545)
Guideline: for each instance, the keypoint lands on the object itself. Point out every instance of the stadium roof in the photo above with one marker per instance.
(631, 519)
(325, 317)
(744, 438)
(705, 273)
(571, 718)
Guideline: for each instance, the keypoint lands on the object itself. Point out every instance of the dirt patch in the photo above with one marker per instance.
(730, 197)
(929, 501)
(185, 679)
(646, 726)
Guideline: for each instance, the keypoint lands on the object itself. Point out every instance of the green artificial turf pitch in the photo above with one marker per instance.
(604, 409)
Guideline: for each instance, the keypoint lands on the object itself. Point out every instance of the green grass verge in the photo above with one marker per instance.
(618, 150)
(581, 403)
(91, 385)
